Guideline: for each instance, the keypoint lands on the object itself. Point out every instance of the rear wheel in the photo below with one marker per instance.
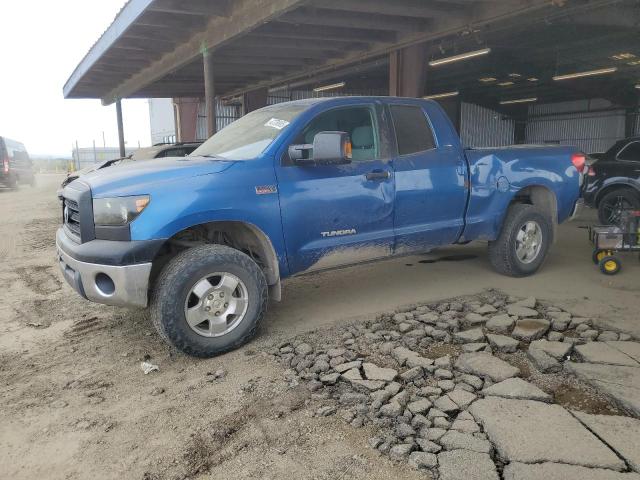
(209, 300)
(610, 265)
(611, 206)
(599, 255)
(524, 241)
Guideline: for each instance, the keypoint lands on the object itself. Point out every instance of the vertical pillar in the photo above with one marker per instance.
(187, 119)
(255, 99)
(520, 116)
(123, 153)
(453, 108)
(407, 71)
(631, 120)
(209, 91)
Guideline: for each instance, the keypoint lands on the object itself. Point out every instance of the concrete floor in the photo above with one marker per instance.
(569, 279)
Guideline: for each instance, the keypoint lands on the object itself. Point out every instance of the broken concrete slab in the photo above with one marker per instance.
(462, 398)
(374, 372)
(558, 350)
(467, 465)
(530, 329)
(533, 432)
(599, 352)
(475, 335)
(558, 471)
(628, 348)
(484, 364)
(454, 440)
(529, 302)
(524, 312)
(542, 361)
(516, 388)
(621, 383)
(500, 324)
(621, 433)
(502, 343)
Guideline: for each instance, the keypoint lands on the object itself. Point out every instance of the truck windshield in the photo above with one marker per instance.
(249, 136)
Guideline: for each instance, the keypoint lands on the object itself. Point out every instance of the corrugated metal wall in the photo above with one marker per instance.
(567, 123)
(481, 127)
(225, 114)
(576, 123)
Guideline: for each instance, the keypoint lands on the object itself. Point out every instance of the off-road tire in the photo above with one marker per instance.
(502, 251)
(174, 284)
(628, 195)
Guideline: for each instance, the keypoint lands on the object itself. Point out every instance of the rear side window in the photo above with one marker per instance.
(630, 153)
(413, 132)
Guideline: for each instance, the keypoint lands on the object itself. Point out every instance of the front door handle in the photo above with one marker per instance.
(378, 175)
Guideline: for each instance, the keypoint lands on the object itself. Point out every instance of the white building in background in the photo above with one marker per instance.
(162, 120)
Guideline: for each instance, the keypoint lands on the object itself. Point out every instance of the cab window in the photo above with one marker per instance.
(413, 132)
(358, 122)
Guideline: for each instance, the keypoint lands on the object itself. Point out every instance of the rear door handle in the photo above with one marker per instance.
(378, 175)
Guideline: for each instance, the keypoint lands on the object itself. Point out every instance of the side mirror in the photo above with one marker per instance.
(329, 148)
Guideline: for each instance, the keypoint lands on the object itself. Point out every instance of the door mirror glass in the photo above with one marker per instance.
(328, 148)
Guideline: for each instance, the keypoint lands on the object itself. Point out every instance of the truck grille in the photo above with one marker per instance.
(71, 216)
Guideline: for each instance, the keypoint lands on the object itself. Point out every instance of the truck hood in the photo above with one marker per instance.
(137, 177)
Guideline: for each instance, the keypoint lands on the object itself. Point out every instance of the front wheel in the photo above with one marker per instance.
(524, 241)
(209, 300)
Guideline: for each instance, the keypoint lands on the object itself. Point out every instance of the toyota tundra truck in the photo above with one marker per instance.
(204, 241)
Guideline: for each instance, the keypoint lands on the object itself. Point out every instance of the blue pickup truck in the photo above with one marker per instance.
(205, 240)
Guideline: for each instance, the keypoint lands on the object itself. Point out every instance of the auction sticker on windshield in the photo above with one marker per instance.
(276, 123)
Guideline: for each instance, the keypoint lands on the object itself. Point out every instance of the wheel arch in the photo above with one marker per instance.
(619, 185)
(240, 235)
(539, 196)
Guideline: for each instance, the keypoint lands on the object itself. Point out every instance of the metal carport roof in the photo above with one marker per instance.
(154, 47)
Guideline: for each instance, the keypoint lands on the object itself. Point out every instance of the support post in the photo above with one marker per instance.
(407, 71)
(209, 91)
(123, 152)
(453, 108)
(521, 118)
(631, 120)
(255, 99)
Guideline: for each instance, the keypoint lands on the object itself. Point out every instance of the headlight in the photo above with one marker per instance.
(118, 211)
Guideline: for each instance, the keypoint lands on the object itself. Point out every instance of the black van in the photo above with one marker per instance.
(15, 164)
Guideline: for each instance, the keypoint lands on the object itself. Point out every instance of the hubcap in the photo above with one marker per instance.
(216, 304)
(528, 242)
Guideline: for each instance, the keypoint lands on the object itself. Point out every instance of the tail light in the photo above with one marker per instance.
(579, 160)
(5, 165)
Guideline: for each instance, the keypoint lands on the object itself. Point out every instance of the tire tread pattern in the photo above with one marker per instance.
(501, 251)
(176, 272)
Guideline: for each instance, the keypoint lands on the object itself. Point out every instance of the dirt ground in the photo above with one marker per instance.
(75, 404)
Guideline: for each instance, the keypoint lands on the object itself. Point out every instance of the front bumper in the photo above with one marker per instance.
(107, 282)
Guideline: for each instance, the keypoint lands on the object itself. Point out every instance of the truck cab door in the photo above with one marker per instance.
(430, 171)
(334, 215)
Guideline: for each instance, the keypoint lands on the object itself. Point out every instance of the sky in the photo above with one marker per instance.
(41, 43)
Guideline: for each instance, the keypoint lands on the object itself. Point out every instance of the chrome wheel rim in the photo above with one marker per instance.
(528, 242)
(216, 304)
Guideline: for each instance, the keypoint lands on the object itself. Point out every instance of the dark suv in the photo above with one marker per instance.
(613, 182)
(16, 165)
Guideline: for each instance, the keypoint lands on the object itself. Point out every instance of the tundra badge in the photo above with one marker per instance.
(339, 233)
